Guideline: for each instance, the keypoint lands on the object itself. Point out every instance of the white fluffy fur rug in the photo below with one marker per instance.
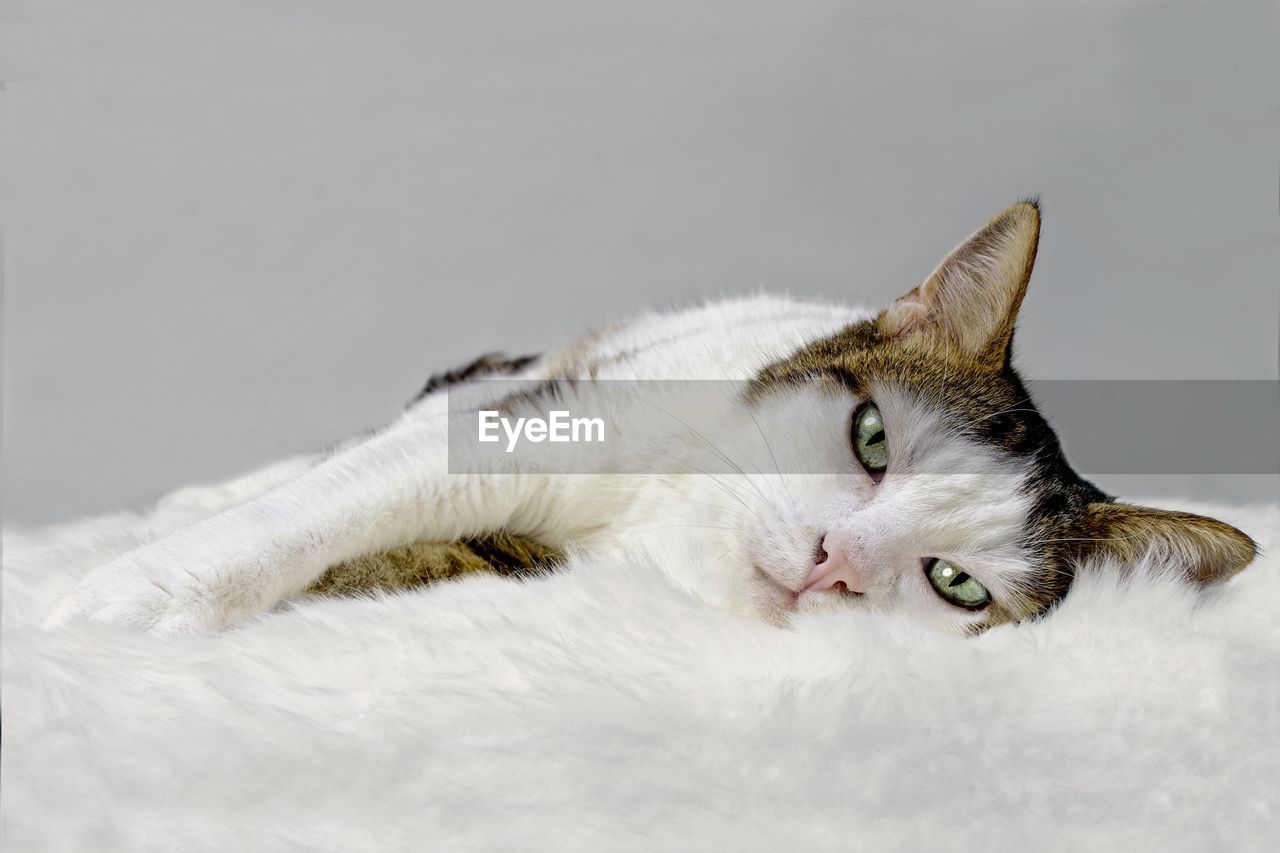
(605, 710)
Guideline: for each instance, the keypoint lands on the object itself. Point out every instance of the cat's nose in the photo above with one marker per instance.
(835, 565)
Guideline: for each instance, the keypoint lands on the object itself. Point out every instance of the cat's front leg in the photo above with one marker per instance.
(389, 491)
(205, 576)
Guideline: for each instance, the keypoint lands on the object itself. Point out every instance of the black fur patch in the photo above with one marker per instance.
(489, 364)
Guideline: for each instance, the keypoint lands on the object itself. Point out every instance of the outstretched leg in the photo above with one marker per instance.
(389, 491)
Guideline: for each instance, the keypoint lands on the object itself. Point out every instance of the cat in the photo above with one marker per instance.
(908, 472)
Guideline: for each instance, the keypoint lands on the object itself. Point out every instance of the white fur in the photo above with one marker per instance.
(603, 709)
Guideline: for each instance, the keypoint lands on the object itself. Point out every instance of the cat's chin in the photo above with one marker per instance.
(772, 601)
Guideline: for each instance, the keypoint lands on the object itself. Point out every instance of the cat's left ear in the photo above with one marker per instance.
(970, 302)
(1206, 550)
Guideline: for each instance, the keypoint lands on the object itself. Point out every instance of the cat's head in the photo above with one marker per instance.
(953, 502)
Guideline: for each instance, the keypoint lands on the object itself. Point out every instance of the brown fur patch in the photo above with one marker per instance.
(429, 562)
(1209, 550)
(970, 303)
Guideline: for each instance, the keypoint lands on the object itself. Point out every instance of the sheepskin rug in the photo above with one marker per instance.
(604, 709)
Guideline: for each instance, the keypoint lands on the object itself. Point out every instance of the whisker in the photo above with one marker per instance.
(714, 448)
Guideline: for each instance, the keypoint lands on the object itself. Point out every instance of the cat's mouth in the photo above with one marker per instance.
(777, 599)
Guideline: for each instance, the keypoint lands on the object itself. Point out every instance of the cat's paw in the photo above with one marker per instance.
(149, 591)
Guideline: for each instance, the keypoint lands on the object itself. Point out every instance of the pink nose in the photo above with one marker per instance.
(835, 565)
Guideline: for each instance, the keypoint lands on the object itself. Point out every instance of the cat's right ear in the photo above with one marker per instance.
(969, 304)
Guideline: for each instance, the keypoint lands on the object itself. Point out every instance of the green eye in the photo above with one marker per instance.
(955, 586)
(868, 439)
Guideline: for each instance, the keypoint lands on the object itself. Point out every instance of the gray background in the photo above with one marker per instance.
(242, 229)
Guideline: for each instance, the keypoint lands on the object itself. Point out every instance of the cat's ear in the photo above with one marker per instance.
(1207, 550)
(970, 302)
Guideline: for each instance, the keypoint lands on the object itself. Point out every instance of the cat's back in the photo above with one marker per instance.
(730, 339)
(725, 339)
